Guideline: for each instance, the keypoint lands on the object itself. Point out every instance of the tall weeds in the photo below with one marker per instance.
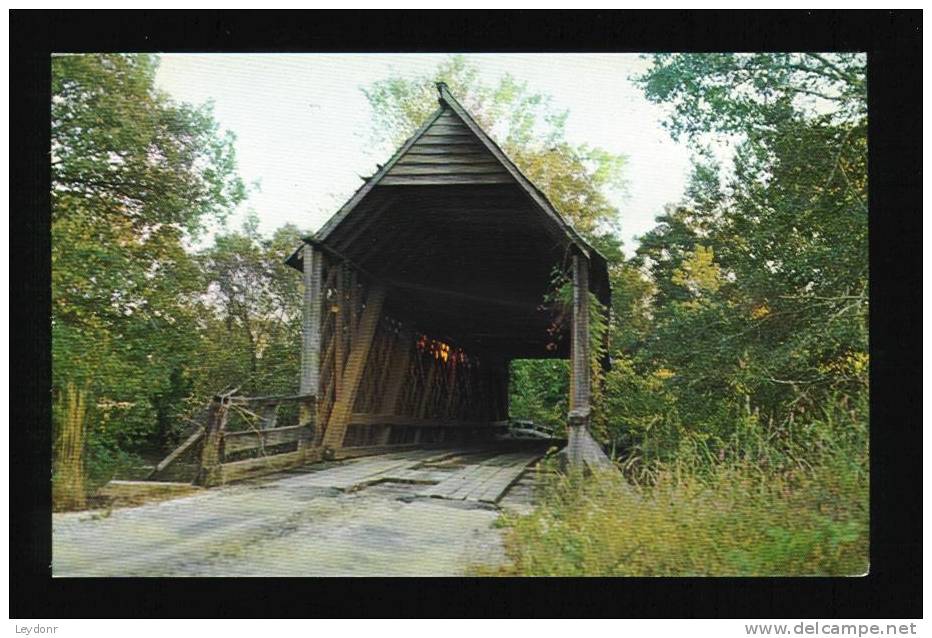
(787, 507)
(68, 489)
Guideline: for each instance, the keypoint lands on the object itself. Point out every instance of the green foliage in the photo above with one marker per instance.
(133, 176)
(251, 317)
(760, 309)
(737, 401)
(539, 390)
(739, 518)
(748, 93)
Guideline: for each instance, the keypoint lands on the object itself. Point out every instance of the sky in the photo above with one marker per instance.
(303, 126)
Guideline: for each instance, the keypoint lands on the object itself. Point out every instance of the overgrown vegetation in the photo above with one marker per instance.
(143, 327)
(737, 401)
(736, 404)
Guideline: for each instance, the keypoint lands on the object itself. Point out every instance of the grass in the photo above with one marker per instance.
(733, 521)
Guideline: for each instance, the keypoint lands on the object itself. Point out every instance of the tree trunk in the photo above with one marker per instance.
(68, 485)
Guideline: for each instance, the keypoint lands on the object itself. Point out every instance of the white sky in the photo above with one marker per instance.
(303, 125)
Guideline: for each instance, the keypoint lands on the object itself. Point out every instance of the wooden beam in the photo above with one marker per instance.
(582, 450)
(266, 465)
(339, 326)
(252, 439)
(355, 366)
(399, 362)
(353, 300)
(579, 363)
(400, 419)
(181, 449)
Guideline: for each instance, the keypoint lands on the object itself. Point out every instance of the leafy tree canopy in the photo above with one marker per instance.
(134, 176)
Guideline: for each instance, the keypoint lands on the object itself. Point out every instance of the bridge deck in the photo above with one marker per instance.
(365, 517)
(458, 474)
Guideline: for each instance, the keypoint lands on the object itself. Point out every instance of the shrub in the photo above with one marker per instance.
(702, 516)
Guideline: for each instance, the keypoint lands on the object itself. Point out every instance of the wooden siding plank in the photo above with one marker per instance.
(266, 465)
(250, 439)
(452, 136)
(448, 127)
(449, 159)
(440, 149)
(440, 180)
(448, 140)
(485, 168)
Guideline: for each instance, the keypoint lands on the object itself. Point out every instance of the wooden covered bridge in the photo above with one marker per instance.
(418, 293)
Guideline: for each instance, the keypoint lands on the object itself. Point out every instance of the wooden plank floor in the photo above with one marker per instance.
(367, 470)
(453, 474)
(484, 482)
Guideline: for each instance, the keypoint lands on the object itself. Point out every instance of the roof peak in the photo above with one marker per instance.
(441, 87)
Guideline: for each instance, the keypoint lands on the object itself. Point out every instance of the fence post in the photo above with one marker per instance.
(210, 471)
(307, 416)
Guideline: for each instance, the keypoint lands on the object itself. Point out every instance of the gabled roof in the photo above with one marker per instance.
(388, 173)
(466, 243)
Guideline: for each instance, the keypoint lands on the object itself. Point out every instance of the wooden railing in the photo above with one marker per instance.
(246, 436)
(265, 446)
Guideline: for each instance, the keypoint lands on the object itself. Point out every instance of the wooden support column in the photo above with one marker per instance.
(582, 451)
(310, 333)
(355, 366)
(579, 363)
(339, 326)
(312, 264)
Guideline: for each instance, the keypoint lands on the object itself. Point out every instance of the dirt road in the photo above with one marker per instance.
(375, 516)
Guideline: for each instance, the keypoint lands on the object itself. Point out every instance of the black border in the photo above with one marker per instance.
(893, 41)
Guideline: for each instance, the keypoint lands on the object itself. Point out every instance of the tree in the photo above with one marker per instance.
(761, 272)
(134, 175)
(251, 319)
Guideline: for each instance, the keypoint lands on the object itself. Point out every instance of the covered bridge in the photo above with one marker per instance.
(418, 293)
(423, 287)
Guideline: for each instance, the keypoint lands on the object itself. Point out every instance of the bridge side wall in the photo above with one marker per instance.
(381, 381)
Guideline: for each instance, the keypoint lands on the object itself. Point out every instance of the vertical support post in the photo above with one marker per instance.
(339, 324)
(580, 364)
(209, 473)
(312, 263)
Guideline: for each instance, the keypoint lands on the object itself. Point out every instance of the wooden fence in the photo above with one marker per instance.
(247, 436)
